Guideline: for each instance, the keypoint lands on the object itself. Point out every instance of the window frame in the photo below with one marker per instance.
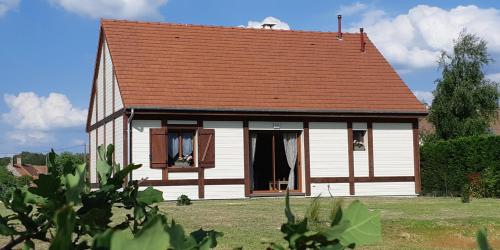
(180, 130)
(363, 142)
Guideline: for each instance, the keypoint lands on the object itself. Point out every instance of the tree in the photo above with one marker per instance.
(465, 103)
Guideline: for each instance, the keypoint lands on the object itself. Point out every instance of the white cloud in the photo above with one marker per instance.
(28, 111)
(279, 25)
(415, 39)
(348, 10)
(424, 96)
(494, 77)
(124, 9)
(6, 5)
(32, 138)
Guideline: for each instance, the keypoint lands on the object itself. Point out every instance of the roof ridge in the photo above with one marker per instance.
(103, 20)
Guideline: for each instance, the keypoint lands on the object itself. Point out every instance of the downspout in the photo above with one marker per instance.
(129, 139)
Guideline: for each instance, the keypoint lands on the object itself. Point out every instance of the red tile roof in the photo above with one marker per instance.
(176, 66)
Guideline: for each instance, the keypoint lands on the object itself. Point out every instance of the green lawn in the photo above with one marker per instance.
(407, 223)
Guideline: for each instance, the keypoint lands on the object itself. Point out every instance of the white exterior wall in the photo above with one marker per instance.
(108, 85)
(324, 189)
(100, 90)
(109, 133)
(385, 188)
(118, 96)
(393, 149)
(224, 191)
(119, 141)
(328, 149)
(100, 136)
(93, 157)
(173, 192)
(228, 150)
(361, 157)
(140, 149)
(182, 176)
(93, 114)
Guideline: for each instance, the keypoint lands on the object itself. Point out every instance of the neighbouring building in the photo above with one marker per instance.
(225, 112)
(19, 169)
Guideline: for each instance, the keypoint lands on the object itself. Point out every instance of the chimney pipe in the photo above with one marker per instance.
(339, 21)
(362, 39)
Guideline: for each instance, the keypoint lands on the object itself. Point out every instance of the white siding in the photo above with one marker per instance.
(119, 140)
(328, 149)
(228, 150)
(393, 149)
(93, 158)
(118, 96)
(182, 176)
(100, 136)
(109, 80)
(361, 157)
(109, 133)
(324, 189)
(140, 149)
(93, 114)
(224, 191)
(173, 192)
(385, 188)
(100, 91)
(261, 125)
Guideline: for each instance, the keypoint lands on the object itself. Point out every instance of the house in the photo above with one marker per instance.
(20, 169)
(225, 112)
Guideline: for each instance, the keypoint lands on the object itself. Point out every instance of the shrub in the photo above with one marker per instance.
(351, 227)
(446, 165)
(183, 200)
(9, 182)
(59, 210)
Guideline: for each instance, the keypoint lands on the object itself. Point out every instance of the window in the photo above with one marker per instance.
(358, 137)
(180, 148)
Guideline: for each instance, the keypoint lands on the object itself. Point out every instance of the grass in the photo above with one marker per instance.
(407, 223)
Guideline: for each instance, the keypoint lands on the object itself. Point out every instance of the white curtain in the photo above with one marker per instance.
(290, 143)
(187, 144)
(173, 145)
(253, 143)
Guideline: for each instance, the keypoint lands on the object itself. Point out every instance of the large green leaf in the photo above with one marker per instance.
(65, 224)
(75, 184)
(178, 239)
(364, 226)
(150, 196)
(46, 185)
(151, 237)
(103, 168)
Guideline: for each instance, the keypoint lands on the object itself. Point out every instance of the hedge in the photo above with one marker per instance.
(446, 165)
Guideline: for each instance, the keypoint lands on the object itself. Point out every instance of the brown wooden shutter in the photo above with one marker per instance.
(206, 148)
(158, 138)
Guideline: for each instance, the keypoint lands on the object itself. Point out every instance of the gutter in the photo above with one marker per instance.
(129, 139)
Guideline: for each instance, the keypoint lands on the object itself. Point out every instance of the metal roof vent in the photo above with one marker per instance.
(268, 25)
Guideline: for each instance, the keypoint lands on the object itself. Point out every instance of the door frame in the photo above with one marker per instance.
(298, 166)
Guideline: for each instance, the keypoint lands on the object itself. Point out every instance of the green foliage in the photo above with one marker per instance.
(446, 165)
(313, 211)
(183, 200)
(68, 160)
(9, 182)
(482, 240)
(354, 226)
(465, 103)
(60, 210)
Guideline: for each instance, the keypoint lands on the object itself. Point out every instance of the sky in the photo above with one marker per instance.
(48, 49)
